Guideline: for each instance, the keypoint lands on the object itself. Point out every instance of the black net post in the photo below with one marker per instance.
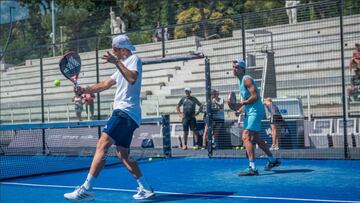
(344, 99)
(208, 106)
(166, 135)
(42, 100)
(97, 81)
(163, 41)
(42, 86)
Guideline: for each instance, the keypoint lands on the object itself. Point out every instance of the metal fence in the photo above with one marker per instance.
(302, 66)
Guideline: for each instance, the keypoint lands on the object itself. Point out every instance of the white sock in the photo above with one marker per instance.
(143, 183)
(252, 164)
(89, 182)
(271, 159)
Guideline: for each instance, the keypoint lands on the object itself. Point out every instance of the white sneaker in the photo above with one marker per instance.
(80, 194)
(143, 193)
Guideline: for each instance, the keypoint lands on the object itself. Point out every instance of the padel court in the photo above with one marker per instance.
(201, 180)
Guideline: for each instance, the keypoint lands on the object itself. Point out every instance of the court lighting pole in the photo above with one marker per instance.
(53, 26)
(61, 40)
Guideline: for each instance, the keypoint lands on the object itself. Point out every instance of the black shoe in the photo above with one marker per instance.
(271, 165)
(249, 172)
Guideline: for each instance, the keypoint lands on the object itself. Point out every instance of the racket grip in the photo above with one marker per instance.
(77, 89)
(76, 84)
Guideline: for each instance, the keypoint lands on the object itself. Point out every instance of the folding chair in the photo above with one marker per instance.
(319, 138)
(338, 137)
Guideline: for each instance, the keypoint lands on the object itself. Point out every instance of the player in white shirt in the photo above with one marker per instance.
(126, 117)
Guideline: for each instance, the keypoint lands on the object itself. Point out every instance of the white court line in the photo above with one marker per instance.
(188, 194)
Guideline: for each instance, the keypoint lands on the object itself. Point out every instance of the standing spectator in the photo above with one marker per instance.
(217, 117)
(355, 59)
(166, 34)
(354, 90)
(276, 122)
(188, 103)
(292, 12)
(78, 101)
(89, 104)
(157, 33)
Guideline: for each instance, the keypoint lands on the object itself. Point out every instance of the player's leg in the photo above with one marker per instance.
(122, 134)
(92, 111)
(272, 161)
(274, 136)
(84, 192)
(215, 130)
(250, 151)
(102, 147)
(195, 133)
(185, 138)
(78, 115)
(248, 143)
(205, 138)
(144, 189)
(186, 125)
(261, 143)
(254, 126)
(132, 166)
(87, 109)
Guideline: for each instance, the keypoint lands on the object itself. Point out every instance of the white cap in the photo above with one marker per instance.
(122, 41)
(187, 89)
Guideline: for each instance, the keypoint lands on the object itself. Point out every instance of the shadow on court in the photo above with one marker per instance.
(202, 195)
(288, 171)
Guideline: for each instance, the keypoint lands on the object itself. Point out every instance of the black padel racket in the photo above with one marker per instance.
(232, 102)
(70, 65)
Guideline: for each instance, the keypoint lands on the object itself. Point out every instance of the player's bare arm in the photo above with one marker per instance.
(99, 87)
(178, 111)
(252, 90)
(130, 75)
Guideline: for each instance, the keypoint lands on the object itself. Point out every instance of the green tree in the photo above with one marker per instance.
(90, 18)
(260, 5)
(219, 27)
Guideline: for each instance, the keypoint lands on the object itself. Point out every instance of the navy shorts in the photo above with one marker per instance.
(189, 123)
(120, 127)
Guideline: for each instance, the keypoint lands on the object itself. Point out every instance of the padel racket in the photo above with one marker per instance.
(232, 103)
(70, 65)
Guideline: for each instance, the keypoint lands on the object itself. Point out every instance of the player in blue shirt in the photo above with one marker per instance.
(254, 112)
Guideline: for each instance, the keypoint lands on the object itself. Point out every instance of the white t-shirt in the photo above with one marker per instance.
(127, 96)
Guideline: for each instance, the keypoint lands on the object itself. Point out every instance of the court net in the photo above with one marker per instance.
(45, 148)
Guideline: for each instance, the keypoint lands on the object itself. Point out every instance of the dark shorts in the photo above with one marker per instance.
(189, 123)
(120, 127)
(277, 120)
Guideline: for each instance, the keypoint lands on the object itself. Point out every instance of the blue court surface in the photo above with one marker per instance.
(203, 180)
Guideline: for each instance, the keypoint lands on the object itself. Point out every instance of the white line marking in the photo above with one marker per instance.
(187, 194)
